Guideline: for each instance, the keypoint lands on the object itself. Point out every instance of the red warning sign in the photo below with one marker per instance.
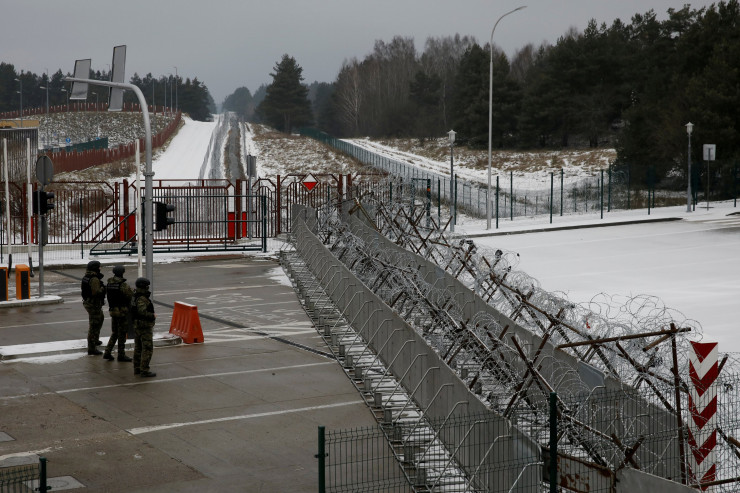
(310, 182)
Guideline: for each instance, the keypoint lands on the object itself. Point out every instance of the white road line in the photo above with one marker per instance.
(150, 429)
(58, 322)
(167, 380)
(210, 290)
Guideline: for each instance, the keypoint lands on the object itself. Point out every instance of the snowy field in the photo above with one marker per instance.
(691, 264)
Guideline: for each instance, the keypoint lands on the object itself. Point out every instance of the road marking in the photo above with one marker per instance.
(167, 380)
(150, 429)
(46, 323)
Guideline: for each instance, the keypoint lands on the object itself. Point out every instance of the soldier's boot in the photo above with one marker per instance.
(148, 374)
(123, 357)
(108, 356)
(94, 352)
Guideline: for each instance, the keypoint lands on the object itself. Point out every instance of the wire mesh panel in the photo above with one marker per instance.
(362, 460)
(16, 478)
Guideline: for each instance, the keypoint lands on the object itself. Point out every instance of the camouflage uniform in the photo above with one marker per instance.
(93, 295)
(144, 326)
(119, 300)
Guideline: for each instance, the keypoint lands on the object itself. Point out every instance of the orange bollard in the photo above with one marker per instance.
(186, 323)
(22, 282)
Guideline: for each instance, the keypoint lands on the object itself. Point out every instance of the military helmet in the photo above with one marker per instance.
(93, 265)
(118, 270)
(142, 282)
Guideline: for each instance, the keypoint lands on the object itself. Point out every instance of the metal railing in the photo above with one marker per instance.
(26, 477)
(611, 188)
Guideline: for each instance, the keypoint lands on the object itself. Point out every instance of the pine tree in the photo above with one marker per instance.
(286, 104)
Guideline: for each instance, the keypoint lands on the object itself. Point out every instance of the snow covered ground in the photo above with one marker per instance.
(691, 264)
(184, 156)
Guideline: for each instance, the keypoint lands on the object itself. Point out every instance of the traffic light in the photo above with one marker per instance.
(42, 201)
(161, 211)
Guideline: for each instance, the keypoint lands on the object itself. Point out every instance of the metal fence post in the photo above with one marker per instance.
(553, 442)
(439, 201)
(561, 190)
(497, 202)
(552, 185)
(511, 193)
(322, 461)
(264, 224)
(609, 196)
(42, 475)
(601, 194)
(629, 179)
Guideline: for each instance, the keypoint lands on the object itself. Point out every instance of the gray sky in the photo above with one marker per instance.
(233, 43)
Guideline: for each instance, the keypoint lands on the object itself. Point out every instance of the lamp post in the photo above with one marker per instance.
(490, 116)
(21, 99)
(65, 91)
(176, 100)
(453, 204)
(689, 129)
(47, 109)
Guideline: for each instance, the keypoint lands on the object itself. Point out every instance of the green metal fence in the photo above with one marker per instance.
(22, 478)
(616, 187)
(584, 443)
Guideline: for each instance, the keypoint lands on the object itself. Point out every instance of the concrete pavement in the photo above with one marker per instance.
(238, 412)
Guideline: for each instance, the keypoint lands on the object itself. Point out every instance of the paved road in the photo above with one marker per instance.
(239, 412)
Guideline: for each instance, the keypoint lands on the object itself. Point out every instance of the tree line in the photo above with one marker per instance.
(632, 86)
(192, 95)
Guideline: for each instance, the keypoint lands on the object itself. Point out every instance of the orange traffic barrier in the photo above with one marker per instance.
(22, 282)
(186, 323)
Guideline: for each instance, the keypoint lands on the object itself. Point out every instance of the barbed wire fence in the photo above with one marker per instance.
(625, 355)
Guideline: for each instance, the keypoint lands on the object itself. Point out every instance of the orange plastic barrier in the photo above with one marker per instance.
(22, 282)
(186, 323)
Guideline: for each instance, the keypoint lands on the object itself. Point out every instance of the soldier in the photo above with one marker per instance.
(143, 311)
(93, 299)
(119, 299)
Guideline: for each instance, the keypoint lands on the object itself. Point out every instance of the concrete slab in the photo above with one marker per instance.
(74, 346)
(45, 300)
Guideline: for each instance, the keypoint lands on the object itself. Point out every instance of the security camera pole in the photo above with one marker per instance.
(148, 174)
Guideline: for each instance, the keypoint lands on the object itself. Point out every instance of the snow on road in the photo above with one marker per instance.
(184, 156)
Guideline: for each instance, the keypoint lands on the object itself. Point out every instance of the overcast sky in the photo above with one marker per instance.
(233, 43)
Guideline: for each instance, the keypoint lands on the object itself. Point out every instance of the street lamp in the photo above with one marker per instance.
(490, 116)
(64, 90)
(176, 105)
(21, 99)
(47, 108)
(689, 129)
(453, 204)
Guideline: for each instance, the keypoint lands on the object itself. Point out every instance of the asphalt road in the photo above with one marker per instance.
(239, 412)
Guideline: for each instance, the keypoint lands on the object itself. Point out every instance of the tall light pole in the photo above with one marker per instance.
(453, 204)
(689, 129)
(21, 99)
(176, 105)
(47, 107)
(490, 116)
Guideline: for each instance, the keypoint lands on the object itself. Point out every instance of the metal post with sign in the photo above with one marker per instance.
(709, 153)
(44, 174)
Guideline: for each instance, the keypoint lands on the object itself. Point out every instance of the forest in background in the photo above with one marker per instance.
(192, 95)
(631, 86)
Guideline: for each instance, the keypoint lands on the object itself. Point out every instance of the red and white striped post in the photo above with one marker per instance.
(703, 371)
